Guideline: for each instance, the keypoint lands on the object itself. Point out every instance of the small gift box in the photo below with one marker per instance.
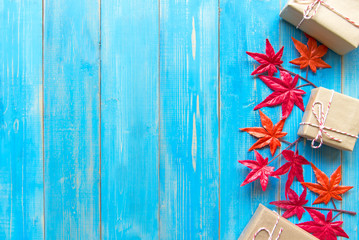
(335, 23)
(266, 224)
(332, 119)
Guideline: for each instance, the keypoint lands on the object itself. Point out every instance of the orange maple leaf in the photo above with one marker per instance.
(267, 135)
(327, 188)
(310, 55)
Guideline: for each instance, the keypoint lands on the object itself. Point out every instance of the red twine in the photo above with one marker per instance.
(321, 118)
(270, 233)
(312, 9)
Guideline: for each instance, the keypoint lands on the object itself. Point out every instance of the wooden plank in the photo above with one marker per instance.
(189, 168)
(243, 27)
(326, 158)
(71, 119)
(350, 168)
(129, 121)
(21, 171)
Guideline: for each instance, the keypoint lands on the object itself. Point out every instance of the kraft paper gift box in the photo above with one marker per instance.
(340, 123)
(327, 26)
(265, 218)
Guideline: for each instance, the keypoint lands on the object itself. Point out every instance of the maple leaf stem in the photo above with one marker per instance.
(296, 146)
(335, 210)
(290, 144)
(303, 85)
(336, 216)
(282, 140)
(333, 203)
(305, 79)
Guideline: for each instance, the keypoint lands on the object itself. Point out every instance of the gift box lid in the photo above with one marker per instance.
(327, 26)
(341, 120)
(265, 218)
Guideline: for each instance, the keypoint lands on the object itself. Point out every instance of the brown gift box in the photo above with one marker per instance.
(265, 218)
(343, 116)
(327, 26)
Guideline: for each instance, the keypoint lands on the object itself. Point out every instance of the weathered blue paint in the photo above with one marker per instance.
(243, 27)
(159, 104)
(129, 117)
(71, 119)
(350, 86)
(327, 159)
(21, 179)
(189, 169)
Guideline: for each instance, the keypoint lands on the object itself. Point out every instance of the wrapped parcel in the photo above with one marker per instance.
(266, 223)
(332, 119)
(335, 23)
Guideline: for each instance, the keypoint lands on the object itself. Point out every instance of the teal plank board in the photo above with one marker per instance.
(241, 30)
(21, 172)
(71, 119)
(120, 119)
(129, 119)
(350, 87)
(189, 157)
(326, 158)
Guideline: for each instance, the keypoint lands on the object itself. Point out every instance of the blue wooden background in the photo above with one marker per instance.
(119, 119)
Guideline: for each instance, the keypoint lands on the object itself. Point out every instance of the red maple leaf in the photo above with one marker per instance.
(293, 206)
(310, 56)
(269, 61)
(268, 135)
(294, 166)
(260, 170)
(327, 188)
(324, 229)
(285, 93)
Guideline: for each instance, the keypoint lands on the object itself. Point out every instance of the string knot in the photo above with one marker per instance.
(321, 117)
(270, 237)
(313, 7)
(310, 11)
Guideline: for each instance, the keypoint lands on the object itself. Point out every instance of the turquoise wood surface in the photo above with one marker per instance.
(130, 120)
(240, 93)
(350, 83)
(120, 119)
(189, 166)
(21, 165)
(325, 158)
(71, 119)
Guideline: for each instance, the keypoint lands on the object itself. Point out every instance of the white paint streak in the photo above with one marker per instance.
(197, 106)
(194, 143)
(193, 38)
(16, 126)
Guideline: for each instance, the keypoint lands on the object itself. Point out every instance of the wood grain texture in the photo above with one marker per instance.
(21, 172)
(71, 119)
(350, 87)
(143, 101)
(129, 117)
(326, 158)
(243, 27)
(189, 167)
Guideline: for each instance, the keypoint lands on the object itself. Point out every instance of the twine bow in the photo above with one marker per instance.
(313, 7)
(322, 129)
(270, 233)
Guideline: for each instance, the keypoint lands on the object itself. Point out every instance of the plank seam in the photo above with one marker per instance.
(219, 121)
(100, 121)
(159, 119)
(43, 111)
(341, 151)
(280, 149)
